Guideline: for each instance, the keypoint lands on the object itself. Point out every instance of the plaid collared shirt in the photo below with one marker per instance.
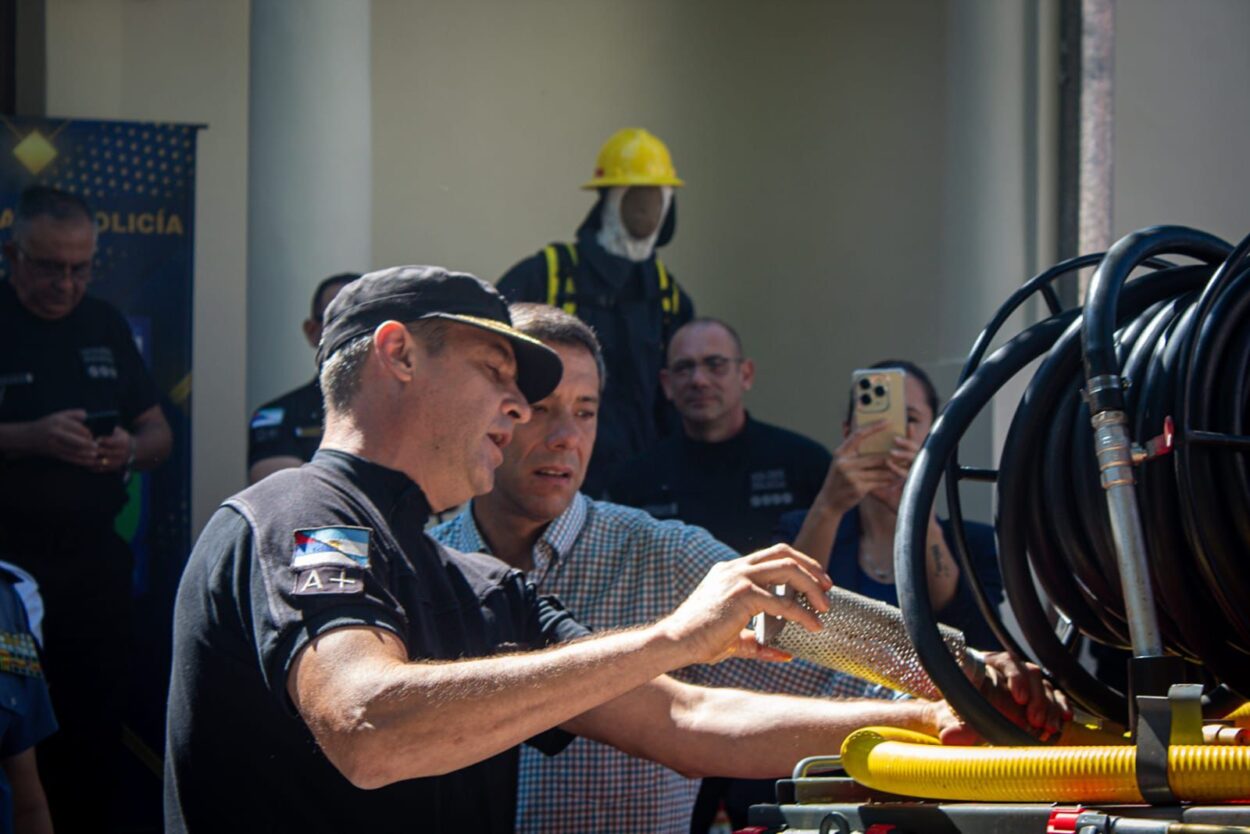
(615, 566)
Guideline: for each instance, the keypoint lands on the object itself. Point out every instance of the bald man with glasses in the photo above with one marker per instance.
(725, 471)
(78, 413)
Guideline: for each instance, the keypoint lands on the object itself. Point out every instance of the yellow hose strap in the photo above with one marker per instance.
(892, 760)
(553, 274)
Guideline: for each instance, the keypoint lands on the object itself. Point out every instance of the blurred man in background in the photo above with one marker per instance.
(724, 470)
(286, 432)
(78, 413)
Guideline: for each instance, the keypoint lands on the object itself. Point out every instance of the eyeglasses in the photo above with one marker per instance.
(715, 365)
(47, 269)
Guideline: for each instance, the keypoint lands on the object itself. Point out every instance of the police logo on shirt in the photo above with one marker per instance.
(19, 655)
(330, 560)
(97, 362)
(771, 499)
(769, 489)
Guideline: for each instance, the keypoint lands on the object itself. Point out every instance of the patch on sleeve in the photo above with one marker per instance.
(265, 418)
(19, 655)
(328, 580)
(320, 547)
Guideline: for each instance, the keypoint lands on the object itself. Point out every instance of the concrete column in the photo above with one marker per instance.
(309, 174)
(991, 227)
(1087, 136)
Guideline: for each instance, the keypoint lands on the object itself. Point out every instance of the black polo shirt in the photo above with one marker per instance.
(335, 543)
(290, 426)
(86, 360)
(737, 489)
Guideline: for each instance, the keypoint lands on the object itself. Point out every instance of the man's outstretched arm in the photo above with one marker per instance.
(703, 731)
(380, 718)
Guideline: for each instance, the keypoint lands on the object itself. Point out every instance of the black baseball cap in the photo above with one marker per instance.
(411, 293)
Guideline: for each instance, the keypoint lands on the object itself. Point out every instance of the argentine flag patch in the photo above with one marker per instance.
(266, 418)
(346, 547)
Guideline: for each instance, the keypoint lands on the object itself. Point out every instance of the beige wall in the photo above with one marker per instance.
(186, 61)
(812, 136)
(864, 178)
(1182, 116)
(861, 175)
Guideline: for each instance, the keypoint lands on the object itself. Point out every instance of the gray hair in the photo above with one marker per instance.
(341, 373)
(554, 326)
(43, 201)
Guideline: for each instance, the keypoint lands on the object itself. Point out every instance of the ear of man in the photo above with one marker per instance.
(312, 332)
(748, 374)
(397, 350)
(666, 384)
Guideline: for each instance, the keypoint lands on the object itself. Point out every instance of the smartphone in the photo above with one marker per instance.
(879, 398)
(101, 423)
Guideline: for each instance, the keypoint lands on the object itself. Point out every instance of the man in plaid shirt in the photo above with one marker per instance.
(611, 566)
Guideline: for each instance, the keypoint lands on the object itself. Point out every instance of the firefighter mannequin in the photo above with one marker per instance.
(612, 278)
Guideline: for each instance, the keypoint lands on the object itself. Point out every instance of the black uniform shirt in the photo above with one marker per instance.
(335, 543)
(290, 426)
(85, 360)
(737, 489)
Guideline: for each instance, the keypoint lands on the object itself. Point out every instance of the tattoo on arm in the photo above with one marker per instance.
(939, 564)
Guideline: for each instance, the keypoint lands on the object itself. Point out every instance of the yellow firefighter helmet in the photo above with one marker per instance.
(632, 156)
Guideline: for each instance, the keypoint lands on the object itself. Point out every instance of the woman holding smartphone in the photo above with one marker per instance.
(853, 519)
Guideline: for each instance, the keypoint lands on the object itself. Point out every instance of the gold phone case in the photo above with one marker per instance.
(879, 396)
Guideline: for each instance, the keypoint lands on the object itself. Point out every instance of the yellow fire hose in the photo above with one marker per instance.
(913, 764)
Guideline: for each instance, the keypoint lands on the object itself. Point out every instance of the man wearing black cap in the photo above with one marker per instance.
(336, 670)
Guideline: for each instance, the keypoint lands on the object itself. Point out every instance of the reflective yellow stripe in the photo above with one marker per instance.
(570, 289)
(553, 274)
(553, 279)
(667, 304)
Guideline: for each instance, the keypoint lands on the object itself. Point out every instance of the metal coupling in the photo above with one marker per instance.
(1113, 448)
(1104, 382)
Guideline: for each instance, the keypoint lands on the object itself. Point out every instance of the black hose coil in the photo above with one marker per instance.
(1180, 336)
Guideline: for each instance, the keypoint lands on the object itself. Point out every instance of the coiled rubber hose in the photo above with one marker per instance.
(913, 764)
(1181, 335)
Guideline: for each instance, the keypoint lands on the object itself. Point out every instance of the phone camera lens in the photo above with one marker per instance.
(865, 384)
(865, 399)
(879, 391)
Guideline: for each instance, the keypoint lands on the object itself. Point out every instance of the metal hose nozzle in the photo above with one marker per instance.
(865, 638)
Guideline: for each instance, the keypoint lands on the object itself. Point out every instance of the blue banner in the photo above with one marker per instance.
(139, 179)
